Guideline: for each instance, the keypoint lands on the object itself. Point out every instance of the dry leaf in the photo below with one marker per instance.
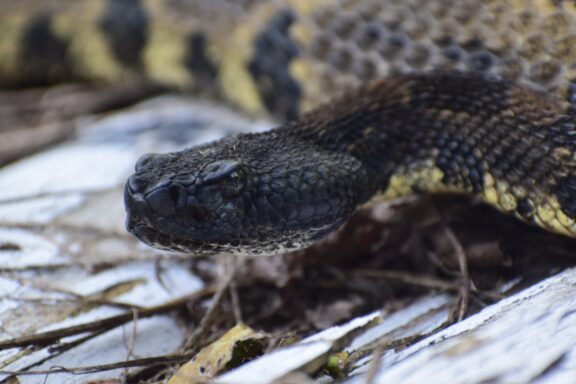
(235, 347)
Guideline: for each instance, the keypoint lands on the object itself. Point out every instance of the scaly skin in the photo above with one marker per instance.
(270, 192)
(284, 57)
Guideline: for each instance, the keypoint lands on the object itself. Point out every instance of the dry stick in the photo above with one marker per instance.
(130, 343)
(374, 365)
(46, 338)
(60, 349)
(149, 361)
(408, 278)
(235, 300)
(95, 368)
(158, 272)
(465, 275)
(57, 350)
(76, 299)
(212, 312)
(464, 291)
(234, 297)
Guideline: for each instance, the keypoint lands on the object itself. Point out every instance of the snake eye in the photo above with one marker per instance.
(228, 174)
(233, 184)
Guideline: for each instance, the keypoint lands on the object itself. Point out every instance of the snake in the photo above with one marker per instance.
(281, 190)
(375, 99)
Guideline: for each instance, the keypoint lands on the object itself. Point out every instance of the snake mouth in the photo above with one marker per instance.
(163, 241)
(140, 224)
(137, 209)
(157, 239)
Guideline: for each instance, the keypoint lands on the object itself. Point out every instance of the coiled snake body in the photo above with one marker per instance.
(476, 99)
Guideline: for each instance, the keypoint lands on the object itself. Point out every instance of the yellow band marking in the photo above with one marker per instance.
(165, 52)
(552, 216)
(424, 176)
(13, 26)
(307, 71)
(88, 48)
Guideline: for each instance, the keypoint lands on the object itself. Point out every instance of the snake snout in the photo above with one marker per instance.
(161, 200)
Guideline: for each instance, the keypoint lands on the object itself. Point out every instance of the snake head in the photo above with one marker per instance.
(250, 194)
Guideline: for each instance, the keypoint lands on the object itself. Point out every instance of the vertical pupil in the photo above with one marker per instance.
(233, 183)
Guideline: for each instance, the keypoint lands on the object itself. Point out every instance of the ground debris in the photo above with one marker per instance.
(237, 346)
(82, 300)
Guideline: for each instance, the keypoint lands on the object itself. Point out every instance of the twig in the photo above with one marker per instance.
(134, 335)
(61, 348)
(464, 292)
(408, 278)
(158, 273)
(46, 338)
(234, 297)
(203, 327)
(149, 361)
(374, 365)
(77, 299)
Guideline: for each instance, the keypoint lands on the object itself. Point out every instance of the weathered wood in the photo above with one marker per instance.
(528, 337)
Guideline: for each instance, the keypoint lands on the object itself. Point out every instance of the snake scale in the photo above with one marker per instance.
(471, 97)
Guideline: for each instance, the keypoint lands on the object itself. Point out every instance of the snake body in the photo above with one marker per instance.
(270, 192)
(285, 57)
(471, 97)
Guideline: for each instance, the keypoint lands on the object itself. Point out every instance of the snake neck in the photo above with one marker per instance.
(441, 132)
(438, 133)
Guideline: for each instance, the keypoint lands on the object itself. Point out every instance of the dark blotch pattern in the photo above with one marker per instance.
(456, 159)
(125, 25)
(43, 56)
(269, 66)
(566, 193)
(204, 72)
(525, 208)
